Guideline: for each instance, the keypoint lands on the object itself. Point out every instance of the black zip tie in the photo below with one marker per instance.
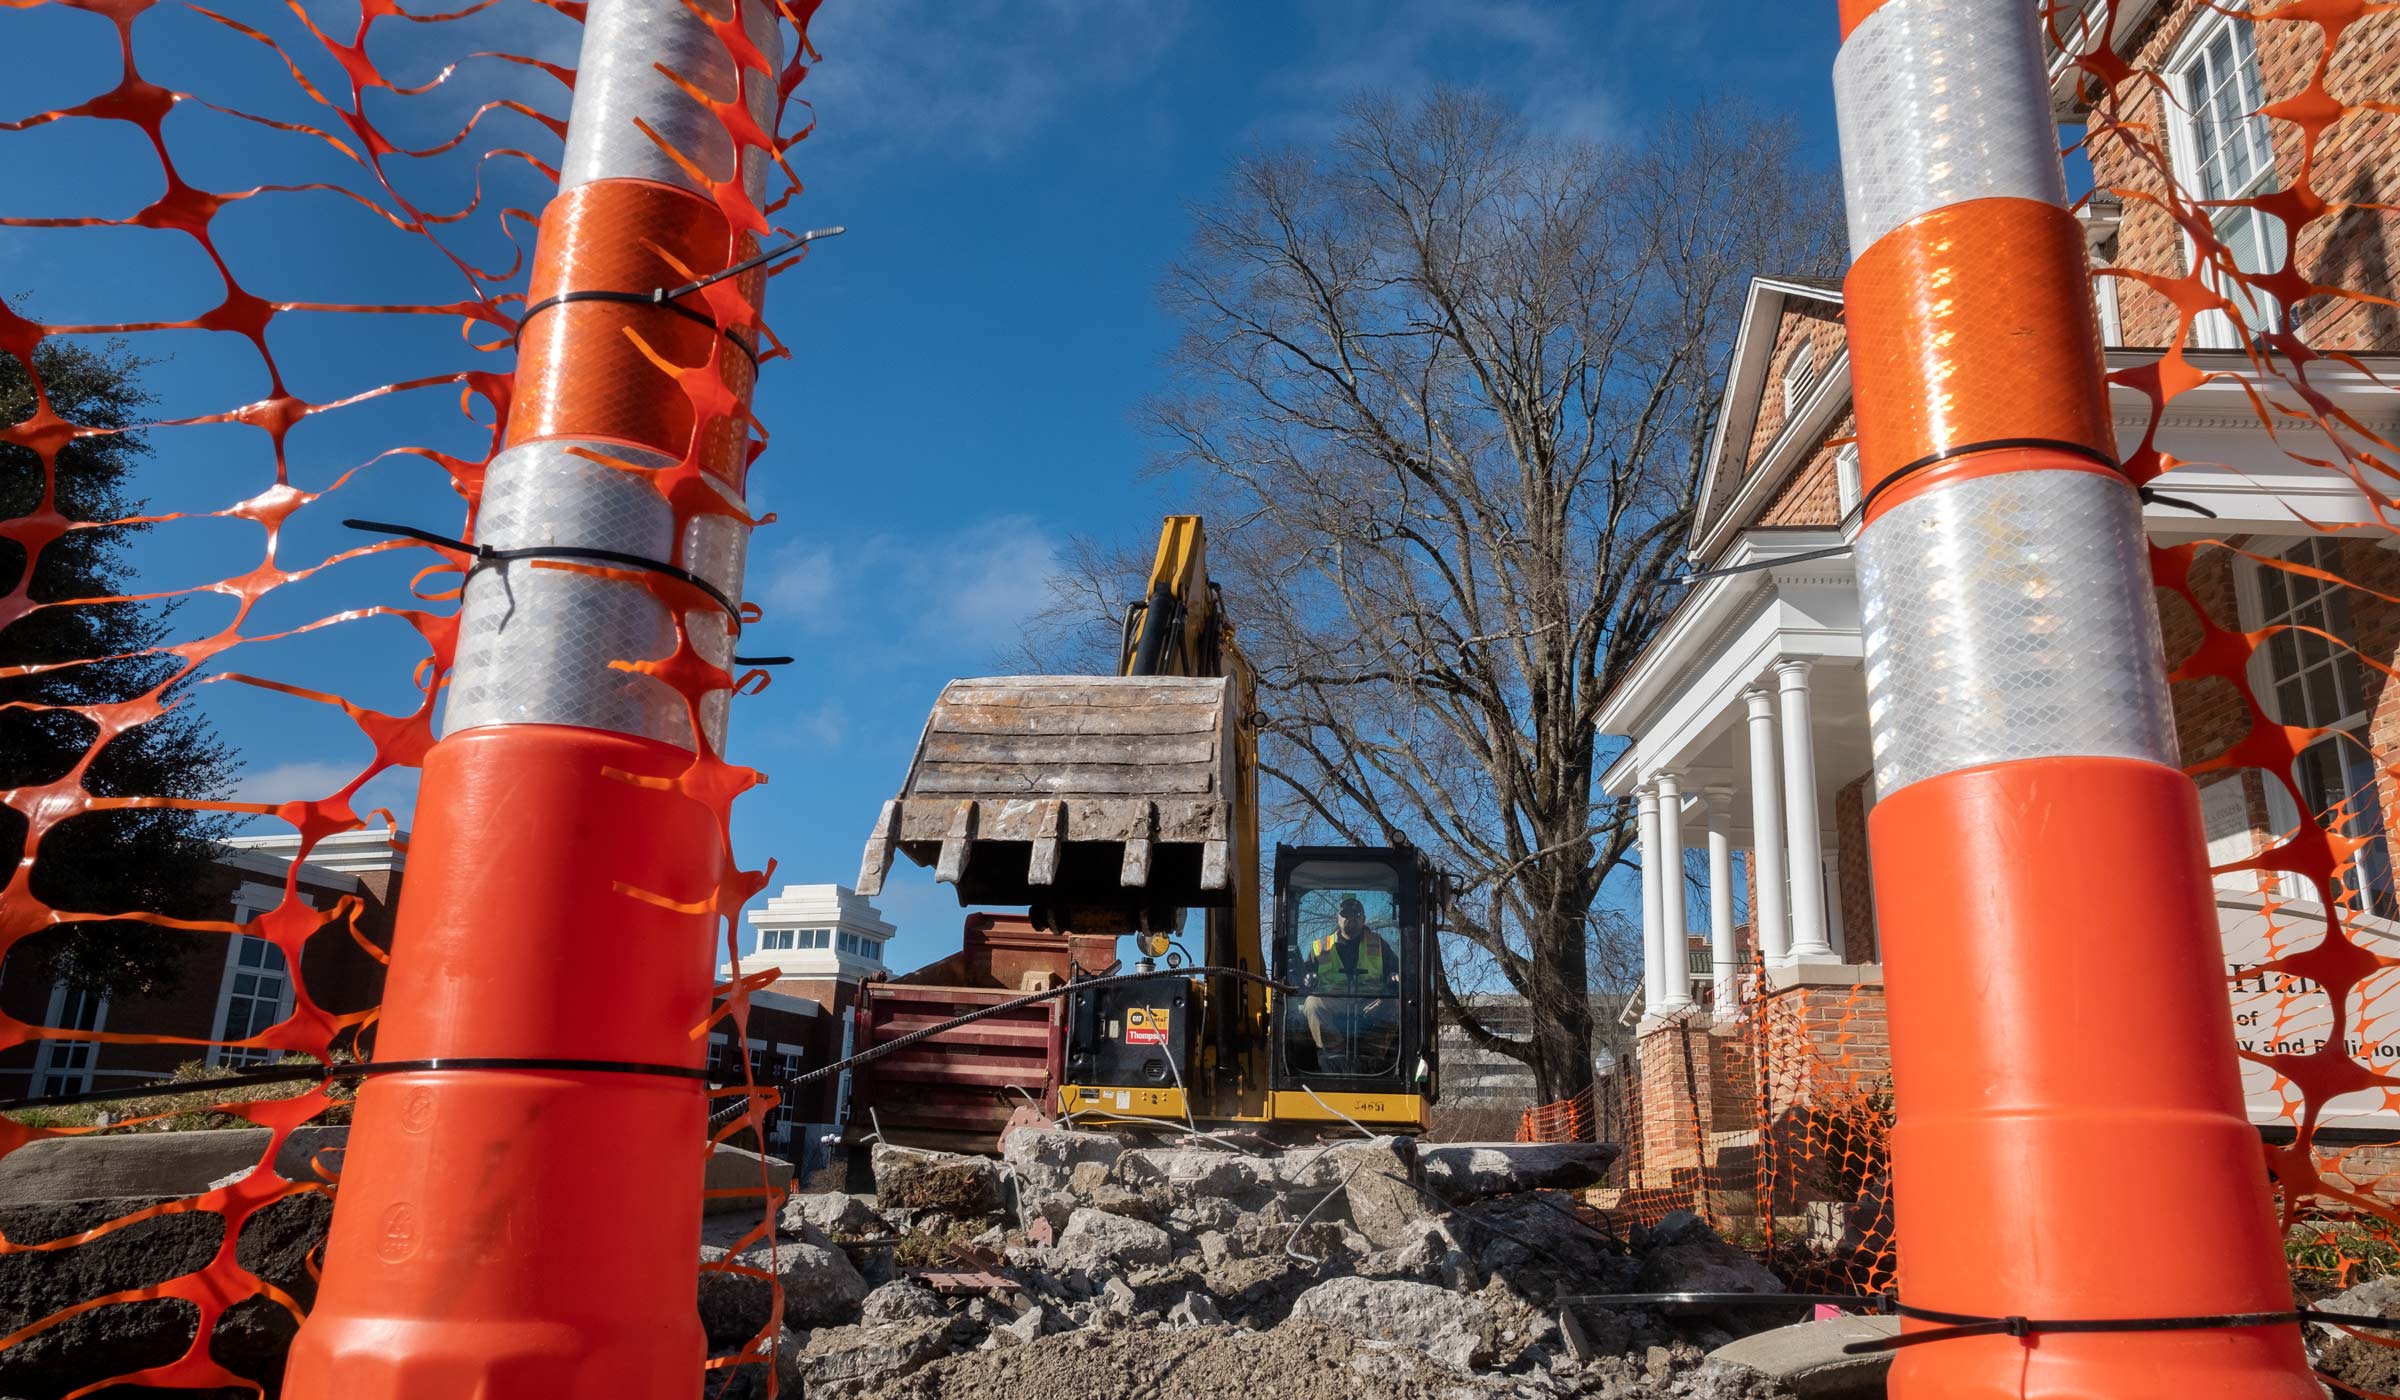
(762, 661)
(2161, 498)
(668, 298)
(1935, 459)
(1975, 1324)
(1874, 1302)
(485, 554)
(293, 1074)
(517, 337)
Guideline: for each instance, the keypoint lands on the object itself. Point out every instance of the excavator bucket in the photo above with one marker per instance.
(1104, 803)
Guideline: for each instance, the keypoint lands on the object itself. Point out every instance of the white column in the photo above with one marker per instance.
(1653, 959)
(1721, 951)
(1674, 936)
(1766, 831)
(1804, 845)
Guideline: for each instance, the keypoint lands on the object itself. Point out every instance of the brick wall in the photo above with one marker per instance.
(2359, 162)
(1854, 881)
(1815, 324)
(1696, 1081)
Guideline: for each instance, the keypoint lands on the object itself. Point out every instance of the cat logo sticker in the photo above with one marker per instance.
(1145, 1025)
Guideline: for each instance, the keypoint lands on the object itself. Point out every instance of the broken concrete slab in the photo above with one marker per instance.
(1095, 1239)
(1807, 1357)
(1186, 1173)
(1045, 1158)
(732, 1169)
(1463, 1172)
(1381, 1190)
(840, 1360)
(1454, 1330)
(161, 1164)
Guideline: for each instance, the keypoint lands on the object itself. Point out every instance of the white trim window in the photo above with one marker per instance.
(66, 1066)
(2223, 149)
(787, 1068)
(2302, 679)
(256, 991)
(1846, 486)
(1799, 377)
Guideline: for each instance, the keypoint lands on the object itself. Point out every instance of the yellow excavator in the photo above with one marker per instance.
(1116, 805)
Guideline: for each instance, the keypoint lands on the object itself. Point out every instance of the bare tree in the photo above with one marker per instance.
(1444, 395)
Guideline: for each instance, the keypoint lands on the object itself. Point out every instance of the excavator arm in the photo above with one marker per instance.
(1110, 804)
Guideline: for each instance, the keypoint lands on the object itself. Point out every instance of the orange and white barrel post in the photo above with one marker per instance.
(529, 1229)
(2070, 1140)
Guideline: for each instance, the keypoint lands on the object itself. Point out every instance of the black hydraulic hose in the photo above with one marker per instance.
(1158, 618)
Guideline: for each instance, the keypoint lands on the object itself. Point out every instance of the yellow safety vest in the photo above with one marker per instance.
(1368, 976)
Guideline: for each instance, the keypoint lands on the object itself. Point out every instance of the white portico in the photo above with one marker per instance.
(1745, 719)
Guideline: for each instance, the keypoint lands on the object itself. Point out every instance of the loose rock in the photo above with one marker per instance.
(900, 1299)
(837, 1213)
(1095, 1239)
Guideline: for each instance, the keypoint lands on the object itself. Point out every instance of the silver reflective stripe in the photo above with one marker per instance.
(625, 44)
(2011, 617)
(1940, 102)
(535, 644)
(540, 645)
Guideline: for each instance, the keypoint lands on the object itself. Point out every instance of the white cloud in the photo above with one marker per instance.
(1526, 52)
(800, 583)
(975, 76)
(394, 789)
(975, 587)
(288, 782)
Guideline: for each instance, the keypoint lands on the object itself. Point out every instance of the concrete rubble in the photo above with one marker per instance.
(1077, 1266)
(1084, 1266)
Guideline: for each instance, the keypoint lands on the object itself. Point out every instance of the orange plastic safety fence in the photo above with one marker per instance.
(354, 116)
(1562, 1120)
(2281, 315)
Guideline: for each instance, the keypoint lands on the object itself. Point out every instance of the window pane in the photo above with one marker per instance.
(2272, 593)
(2324, 705)
(2290, 706)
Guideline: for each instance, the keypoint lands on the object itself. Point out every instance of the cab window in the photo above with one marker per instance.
(1345, 946)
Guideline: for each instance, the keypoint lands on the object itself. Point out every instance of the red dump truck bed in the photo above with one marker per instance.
(957, 1089)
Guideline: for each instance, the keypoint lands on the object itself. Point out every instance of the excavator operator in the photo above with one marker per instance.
(1353, 978)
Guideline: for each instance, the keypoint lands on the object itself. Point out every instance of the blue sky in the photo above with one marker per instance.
(1016, 176)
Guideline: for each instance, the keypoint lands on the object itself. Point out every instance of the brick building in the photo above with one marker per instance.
(216, 987)
(1746, 721)
(221, 987)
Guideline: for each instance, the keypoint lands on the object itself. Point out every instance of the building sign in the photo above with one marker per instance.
(2278, 1014)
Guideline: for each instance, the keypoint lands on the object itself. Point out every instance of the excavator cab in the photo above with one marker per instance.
(1356, 930)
